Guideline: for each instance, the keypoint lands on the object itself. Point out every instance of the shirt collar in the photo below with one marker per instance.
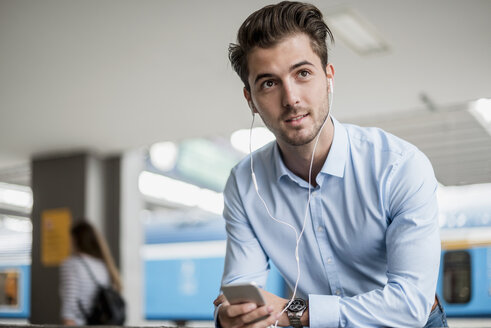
(335, 161)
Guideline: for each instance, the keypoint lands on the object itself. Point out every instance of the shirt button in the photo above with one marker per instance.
(338, 292)
(320, 229)
(329, 260)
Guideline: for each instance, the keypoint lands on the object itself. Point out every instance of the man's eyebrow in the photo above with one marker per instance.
(261, 76)
(297, 65)
(293, 67)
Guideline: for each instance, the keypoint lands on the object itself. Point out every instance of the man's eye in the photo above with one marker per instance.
(268, 84)
(304, 73)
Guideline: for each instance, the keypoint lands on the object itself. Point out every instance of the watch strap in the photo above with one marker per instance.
(295, 321)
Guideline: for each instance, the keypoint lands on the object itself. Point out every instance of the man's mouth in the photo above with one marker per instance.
(296, 118)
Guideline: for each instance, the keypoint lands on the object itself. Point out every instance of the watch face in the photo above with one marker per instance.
(297, 305)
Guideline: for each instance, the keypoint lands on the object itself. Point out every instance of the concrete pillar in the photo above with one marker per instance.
(132, 236)
(112, 210)
(89, 187)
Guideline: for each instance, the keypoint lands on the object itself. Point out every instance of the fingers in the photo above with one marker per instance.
(259, 317)
(246, 315)
(239, 309)
(269, 321)
(219, 300)
(229, 316)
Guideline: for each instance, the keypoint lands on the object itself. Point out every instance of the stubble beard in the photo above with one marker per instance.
(299, 140)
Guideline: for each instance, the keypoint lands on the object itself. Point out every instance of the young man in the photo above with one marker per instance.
(370, 249)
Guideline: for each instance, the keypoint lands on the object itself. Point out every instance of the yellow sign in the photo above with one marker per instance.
(55, 236)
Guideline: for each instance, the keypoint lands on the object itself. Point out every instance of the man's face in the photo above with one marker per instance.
(289, 89)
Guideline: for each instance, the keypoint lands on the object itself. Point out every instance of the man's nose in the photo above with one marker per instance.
(290, 95)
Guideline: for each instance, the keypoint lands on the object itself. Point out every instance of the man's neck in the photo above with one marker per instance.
(298, 158)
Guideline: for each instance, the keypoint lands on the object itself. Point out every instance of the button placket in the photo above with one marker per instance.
(318, 219)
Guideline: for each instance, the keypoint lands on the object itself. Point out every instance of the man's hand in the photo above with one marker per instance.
(244, 315)
(278, 304)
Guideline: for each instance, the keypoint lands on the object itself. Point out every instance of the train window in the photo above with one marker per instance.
(9, 282)
(457, 277)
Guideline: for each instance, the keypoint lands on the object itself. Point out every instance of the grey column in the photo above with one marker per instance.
(112, 210)
(132, 235)
(89, 187)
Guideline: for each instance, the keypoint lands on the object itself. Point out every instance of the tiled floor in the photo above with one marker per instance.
(469, 322)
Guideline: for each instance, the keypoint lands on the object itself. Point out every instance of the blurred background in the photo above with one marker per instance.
(128, 112)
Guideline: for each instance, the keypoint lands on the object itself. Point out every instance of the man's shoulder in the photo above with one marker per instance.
(377, 140)
(374, 148)
(259, 156)
(240, 179)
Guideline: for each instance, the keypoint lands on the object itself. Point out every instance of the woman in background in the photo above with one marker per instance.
(77, 288)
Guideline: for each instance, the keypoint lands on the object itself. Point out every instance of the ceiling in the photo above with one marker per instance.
(106, 76)
(458, 146)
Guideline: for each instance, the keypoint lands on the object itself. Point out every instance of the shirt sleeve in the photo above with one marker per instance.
(413, 257)
(245, 259)
(215, 316)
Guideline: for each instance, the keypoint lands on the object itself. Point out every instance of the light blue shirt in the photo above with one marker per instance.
(370, 252)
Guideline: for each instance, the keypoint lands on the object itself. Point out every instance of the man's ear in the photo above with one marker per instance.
(329, 71)
(330, 76)
(247, 96)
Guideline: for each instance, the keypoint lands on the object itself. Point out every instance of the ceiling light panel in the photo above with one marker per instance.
(356, 32)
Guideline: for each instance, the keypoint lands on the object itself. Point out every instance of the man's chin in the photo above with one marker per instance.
(298, 141)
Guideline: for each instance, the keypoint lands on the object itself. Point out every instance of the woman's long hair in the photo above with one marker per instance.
(88, 241)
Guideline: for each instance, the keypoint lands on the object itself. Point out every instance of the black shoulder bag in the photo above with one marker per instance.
(108, 307)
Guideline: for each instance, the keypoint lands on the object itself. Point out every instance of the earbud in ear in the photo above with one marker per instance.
(331, 87)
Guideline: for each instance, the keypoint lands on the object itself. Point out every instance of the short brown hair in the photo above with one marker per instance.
(269, 25)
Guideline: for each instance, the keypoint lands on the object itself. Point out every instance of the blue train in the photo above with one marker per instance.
(15, 273)
(464, 283)
(183, 268)
(183, 265)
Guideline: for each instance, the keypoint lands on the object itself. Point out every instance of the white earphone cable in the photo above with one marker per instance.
(254, 180)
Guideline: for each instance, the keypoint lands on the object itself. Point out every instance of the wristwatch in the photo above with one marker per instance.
(295, 312)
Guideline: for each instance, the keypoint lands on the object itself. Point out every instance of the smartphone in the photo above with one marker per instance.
(243, 293)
